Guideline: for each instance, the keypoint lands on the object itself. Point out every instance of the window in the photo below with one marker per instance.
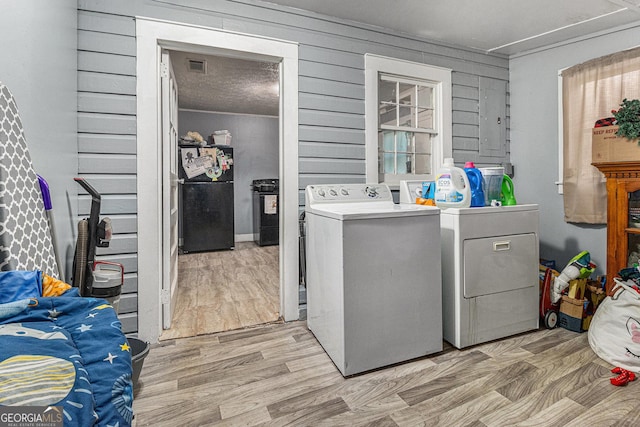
(589, 91)
(408, 119)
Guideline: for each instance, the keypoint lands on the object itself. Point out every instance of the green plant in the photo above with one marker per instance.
(628, 118)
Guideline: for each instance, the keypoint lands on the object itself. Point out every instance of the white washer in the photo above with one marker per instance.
(489, 272)
(410, 190)
(374, 289)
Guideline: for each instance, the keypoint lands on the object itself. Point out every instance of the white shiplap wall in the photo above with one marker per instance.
(331, 98)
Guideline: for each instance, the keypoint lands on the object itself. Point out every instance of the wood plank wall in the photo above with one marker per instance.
(106, 138)
(331, 98)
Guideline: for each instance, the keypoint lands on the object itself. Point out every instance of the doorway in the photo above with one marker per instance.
(151, 36)
(227, 273)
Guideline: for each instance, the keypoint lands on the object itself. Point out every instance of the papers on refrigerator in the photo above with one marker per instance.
(193, 164)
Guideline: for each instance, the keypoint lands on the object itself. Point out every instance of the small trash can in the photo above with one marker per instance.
(139, 350)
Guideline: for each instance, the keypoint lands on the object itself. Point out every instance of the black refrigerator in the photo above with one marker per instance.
(207, 197)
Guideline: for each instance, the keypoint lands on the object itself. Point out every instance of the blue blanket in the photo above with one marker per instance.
(66, 351)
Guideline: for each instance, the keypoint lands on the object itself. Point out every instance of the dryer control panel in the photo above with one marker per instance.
(347, 193)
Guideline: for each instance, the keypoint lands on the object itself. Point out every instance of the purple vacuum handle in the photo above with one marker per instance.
(46, 195)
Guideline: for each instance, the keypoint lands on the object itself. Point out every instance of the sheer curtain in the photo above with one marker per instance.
(589, 92)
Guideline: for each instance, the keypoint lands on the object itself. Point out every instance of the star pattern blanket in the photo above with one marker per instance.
(68, 352)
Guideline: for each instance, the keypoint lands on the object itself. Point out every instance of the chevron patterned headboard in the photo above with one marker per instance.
(25, 238)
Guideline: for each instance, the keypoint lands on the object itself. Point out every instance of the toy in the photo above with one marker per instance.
(623, 378)
(555, 283)
(548, 310)
(580, 267)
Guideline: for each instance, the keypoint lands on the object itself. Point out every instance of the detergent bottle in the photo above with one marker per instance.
(508, 196)
(475, 182)
(452, 187)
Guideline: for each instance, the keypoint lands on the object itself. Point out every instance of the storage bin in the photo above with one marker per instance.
(220, 137)
(568, 322)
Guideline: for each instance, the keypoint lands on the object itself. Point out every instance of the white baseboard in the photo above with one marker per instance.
(244, 237)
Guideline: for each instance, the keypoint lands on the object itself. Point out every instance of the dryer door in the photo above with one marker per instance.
(499, 264)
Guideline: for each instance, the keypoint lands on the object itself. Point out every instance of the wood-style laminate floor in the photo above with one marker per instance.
(225, 290)
(279, 375)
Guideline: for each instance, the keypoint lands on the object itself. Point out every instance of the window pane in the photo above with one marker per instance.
(423, 163)
(386, 92)
(406, 116)
(388, 143)
(403, 141)
(404, 163)
(388, 115)
(411, 145)
(425, 118)
(425, 96)
(389, 163)
(407, 93)
(422, 143)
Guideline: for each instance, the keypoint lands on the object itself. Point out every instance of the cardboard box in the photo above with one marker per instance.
(606, 146)
(572, 307)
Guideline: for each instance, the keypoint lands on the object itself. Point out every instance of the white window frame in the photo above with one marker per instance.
(560, 182)
(442, 146)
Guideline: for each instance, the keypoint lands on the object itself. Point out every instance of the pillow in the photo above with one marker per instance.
(17, 285)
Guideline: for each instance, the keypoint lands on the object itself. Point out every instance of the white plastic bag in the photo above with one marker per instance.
(614, 333)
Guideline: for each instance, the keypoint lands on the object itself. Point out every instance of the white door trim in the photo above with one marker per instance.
(151, 36)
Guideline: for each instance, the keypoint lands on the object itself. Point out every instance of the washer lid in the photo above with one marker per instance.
(351, 211)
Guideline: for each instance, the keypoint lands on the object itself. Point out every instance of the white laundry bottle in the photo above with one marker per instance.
(452, 187)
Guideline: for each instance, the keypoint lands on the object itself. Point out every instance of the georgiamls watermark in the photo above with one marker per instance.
(31, 416)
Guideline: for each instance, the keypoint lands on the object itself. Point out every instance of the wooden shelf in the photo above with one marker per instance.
(619, 170)
(623, 178)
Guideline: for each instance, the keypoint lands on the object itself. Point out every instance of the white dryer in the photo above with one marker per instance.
(490, 281)
(373, 276)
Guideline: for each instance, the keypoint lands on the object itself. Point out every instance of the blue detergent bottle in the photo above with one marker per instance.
(475, 182)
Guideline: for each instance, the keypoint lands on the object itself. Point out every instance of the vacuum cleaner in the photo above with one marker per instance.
(98, 279)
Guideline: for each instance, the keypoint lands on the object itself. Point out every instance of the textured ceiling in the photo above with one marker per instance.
(230, 85)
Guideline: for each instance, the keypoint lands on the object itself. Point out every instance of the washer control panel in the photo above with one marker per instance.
(348, 193)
